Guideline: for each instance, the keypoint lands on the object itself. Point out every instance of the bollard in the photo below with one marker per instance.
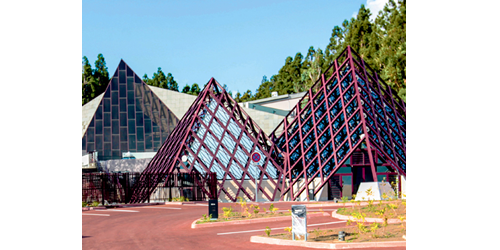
(341, 236)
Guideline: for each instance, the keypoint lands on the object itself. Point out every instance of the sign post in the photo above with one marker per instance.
(255, 159)
(299, 221)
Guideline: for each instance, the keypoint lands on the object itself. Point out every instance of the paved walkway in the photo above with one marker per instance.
(169, 227)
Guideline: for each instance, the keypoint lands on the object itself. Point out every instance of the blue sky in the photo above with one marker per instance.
(236, 42)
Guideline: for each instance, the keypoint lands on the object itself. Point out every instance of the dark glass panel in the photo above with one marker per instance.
(124, 146)
(98, 113)
(107, 134)
(116, 154)
(98, 127)
(130, 83)
(116, 142)
(138, 104)
(107, 148)
(115, 128)
(121, 65)
(130, 72)
(123, 134)
(383, 169)
(156, 128)
(131, 112)
(344, 170)
(122, 76)
(107, 119)
(107, 104)
(131, 142)
(84, 143)
(114, 84)
(139, 119)
(114, 98)
(130, 97)
(156, 136)
(98, 142)
(131, 126)
(123, 119)
(107, 94)
(115, 113)
(140, 146)
(90, 134)
(147, 125)
(149, 141)
(157, 145)
(90, 147)
(137, 79)
(123, 105)
(140, 134)
(123, 91)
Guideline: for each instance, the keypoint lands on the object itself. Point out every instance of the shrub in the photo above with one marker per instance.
(268, 231)
(84, 204)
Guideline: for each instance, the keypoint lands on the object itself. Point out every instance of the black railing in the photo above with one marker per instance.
(117, 188)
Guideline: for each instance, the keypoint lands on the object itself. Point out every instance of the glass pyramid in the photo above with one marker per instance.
(130, 117)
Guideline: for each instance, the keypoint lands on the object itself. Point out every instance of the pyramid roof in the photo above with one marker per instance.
(128, 116)
(217, 135)
(349, 105)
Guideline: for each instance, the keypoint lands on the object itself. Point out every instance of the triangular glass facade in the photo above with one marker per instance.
(216, 135)
(348, 106)
(130, 117)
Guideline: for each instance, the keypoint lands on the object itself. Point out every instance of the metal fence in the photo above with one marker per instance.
(117, 188)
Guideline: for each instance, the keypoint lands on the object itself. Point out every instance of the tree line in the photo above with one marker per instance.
(95, 80)
(381, 43)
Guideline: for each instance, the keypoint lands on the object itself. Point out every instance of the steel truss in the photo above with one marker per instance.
(349, 105)
(216, 135)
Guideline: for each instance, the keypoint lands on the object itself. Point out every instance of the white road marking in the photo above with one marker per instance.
(162, 207)
(118, 210)
(327, 223)
(195, 205)
(97, 214)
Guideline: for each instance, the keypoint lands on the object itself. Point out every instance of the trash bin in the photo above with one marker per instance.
(213, 209)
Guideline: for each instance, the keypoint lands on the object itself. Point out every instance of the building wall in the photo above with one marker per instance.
(287, 104)
(88, 111)
(124, 165)
(249, 187)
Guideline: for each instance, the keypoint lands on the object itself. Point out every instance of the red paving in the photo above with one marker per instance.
(157, 227)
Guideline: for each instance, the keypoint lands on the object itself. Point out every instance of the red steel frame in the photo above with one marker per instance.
(182, 141)
(380, 118)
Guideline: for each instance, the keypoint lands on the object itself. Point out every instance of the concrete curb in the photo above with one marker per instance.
(273, 241)
(242, 222)
(122, 205)
(345, 217)
(335, 204)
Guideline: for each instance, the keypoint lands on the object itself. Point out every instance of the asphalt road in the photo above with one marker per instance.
(169, 227)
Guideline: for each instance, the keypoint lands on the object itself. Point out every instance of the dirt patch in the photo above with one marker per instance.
(238, 216)
(392, 232)
(392, 210)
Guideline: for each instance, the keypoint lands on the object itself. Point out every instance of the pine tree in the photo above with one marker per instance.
(392, 54)
(94, 81)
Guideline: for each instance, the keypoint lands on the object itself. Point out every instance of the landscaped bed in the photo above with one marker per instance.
(358, 230)
(392, 232)
(246, 212)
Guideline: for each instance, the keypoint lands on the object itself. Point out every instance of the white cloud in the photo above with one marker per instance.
(375, 6)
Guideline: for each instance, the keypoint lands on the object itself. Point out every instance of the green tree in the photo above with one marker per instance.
(392, 53)
(186, 89)
(195, 89)
(94, 81)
